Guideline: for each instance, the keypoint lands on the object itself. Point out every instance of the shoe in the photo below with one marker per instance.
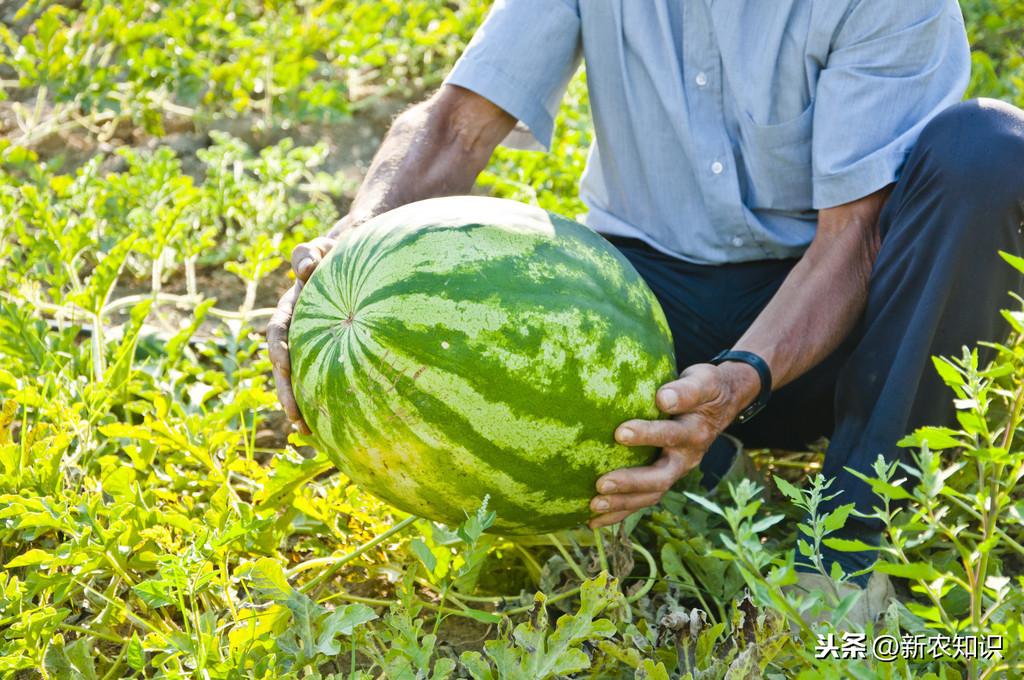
(874, 599)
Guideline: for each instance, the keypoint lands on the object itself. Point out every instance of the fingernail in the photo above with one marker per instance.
(668, 398)
(607, 487)
(626, 435)
(305, 264)
(601, 506)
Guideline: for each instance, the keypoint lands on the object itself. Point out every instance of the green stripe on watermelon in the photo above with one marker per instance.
(463, 347)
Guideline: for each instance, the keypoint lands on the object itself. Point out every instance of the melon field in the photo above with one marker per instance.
(158, 516)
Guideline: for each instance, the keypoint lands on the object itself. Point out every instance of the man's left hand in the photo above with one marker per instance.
(702, 402)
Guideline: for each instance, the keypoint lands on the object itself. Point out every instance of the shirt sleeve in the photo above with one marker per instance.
(893, 66)
(522, 58)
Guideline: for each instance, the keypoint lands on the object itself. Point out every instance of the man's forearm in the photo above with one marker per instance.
(436, 148)
(821, 300)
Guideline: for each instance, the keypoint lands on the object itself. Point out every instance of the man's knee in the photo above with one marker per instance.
(976, 149)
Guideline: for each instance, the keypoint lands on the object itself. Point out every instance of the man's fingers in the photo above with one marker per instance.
(306, 256)
(286, 397)
(280, 360)
(659, 433)
(681, 432)
(655, 478)
(625, 501)
(609, 519)
(696, 385)
(277, 331)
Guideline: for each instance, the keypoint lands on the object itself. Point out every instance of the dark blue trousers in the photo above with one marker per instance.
(937, 285)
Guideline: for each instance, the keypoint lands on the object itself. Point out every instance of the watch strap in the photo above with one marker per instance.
(763, 372)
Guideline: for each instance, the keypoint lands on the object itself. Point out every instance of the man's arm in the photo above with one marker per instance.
(817, 306)
(436, 148)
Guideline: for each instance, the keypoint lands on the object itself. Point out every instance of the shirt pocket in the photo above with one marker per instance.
(778, 162)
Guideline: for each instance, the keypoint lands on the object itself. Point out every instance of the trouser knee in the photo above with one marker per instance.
(974, 150)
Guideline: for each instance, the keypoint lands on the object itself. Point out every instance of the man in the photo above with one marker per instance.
(796, 181)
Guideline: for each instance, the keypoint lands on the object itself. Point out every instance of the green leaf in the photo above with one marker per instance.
(705, 503)
(300, 640)
(507, 660)
(836, 519)
(918, 571)
(80, 654)
(1016, 261)
(155, 593)
(120, 371)
(938, 438)
(426, 556)
(651, 670)
(482, 616)
(443, 669)
(947, 371)
(341, 621)
(766, 522)
(31, 558)
(287, 477)
(477, 666)
(104, 276)
(847, 545)
(268, 577)
(536, 653)
(882, 488)
(788, 490)
(476, 524)
(136, 655)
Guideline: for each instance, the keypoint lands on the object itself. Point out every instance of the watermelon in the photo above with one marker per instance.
(467, 347)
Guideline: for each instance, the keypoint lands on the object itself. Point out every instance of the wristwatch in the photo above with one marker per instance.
(765, 373)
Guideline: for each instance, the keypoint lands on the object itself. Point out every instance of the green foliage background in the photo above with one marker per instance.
(158, 161)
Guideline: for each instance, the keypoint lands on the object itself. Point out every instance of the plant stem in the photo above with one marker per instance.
(992, 512)
(250, 297)
(190, 276)
(573, 564)
(157, 274)
(601, 557)
(115, 668)
(91, 633)
(337, 563)
(98, 360)
(132, 300)
(377, 602)
(999, 532)
(652, 574)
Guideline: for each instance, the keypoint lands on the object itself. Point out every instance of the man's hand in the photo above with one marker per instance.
(305, 258)
(702, 402)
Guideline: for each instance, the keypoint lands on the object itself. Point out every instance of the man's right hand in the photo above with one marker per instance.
(305, 258)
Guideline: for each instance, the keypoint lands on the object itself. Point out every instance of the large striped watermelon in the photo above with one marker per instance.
(462, 347)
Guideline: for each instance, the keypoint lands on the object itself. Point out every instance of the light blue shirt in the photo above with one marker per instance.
(722, 126)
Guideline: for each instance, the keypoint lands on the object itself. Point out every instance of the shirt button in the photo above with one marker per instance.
(717, 168)
(737, 241)
(702, 79)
